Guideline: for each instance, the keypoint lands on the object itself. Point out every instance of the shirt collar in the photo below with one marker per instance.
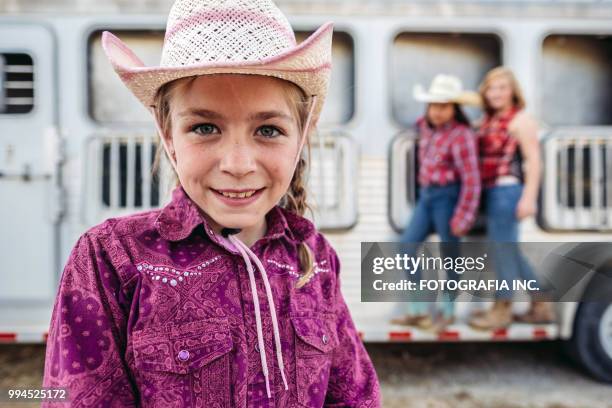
(177, 220)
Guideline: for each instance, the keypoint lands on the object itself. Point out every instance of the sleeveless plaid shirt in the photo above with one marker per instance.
(499, 150)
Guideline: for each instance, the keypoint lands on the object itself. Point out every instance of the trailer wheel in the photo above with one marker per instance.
(591, 342)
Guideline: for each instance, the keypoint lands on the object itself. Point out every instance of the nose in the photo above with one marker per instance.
(238, 158)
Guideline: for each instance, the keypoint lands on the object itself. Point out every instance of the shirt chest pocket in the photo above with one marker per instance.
(315, 342)
(187, 364)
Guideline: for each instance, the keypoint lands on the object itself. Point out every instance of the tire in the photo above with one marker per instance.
(591, 342)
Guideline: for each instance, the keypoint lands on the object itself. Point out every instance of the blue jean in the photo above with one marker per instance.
(503, 234)
(432, 213)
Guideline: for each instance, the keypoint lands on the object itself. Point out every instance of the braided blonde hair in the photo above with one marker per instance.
(295, 198)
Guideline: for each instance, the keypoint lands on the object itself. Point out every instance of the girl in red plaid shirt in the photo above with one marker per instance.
(510, 171)
(449, 183)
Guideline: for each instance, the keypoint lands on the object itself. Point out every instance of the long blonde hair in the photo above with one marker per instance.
(294, 199)
(518, 99)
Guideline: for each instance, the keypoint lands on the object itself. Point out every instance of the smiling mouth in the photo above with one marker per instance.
(237, 194)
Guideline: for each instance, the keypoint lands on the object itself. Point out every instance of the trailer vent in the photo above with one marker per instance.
(122, 170)
(16, 83)
(118, 175)
(577, 186)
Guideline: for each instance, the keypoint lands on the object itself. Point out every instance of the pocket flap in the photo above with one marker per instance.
(318, 331)
(181, 348)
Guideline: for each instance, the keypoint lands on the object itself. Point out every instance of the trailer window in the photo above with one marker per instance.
(111, 101)
(577, 75)
(16, 83)
(340, 102)
(417, 57)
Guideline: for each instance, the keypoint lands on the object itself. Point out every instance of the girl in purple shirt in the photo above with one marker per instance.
(227, 296)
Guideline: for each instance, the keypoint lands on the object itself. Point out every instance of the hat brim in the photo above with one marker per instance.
(308, 65)
(463, 98)
(470, 98)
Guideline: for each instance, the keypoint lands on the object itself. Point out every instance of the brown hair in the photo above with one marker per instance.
(501, 72)
(295, 198)
(459, 115)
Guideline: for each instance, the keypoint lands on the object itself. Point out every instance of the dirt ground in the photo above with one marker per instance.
(515, 375)
(485, 375)
(21, 366)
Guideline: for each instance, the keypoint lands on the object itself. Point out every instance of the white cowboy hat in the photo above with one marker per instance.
(228, 36)
(446, 89)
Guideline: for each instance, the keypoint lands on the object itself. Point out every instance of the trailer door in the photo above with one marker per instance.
(29, 162)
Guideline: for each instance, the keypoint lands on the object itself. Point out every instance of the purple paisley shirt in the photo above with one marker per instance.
(155, 310)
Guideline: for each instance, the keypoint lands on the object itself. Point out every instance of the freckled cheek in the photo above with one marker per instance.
(193, 162)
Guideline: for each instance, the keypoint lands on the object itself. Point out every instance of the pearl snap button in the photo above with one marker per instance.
(183, 355)
(324, 338)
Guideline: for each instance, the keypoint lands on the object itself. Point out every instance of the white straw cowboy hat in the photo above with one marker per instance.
(446, 89)
(228, 36)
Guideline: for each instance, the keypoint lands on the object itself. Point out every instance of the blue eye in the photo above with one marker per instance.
(205, 129)
(269, 131)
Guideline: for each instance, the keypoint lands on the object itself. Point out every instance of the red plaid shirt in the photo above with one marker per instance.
(499, 153)
(449, 155)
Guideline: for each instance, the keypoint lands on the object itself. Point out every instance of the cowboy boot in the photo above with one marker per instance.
(478, 313)
(425, 322)
(539, 313)
(408, 320)
(498, 317)
(441, 323)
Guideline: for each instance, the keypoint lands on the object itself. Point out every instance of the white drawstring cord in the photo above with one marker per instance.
(305, 130)
(262, 350)
(161, 137)
(264, 275)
